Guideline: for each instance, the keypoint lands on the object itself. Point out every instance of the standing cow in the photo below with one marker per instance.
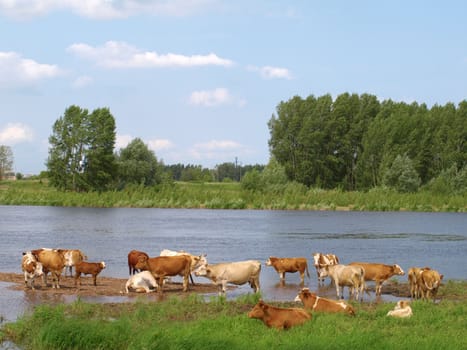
(52, 261)
(379, 273)
(291, 265)
(346, 276)
(430, 282)
(72, 257)
(238, 273)
(31, 269)
(133, 257)
(321, 261)
(88, 268)
(196, 260)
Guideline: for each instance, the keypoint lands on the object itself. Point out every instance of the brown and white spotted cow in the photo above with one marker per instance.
(321, 261)
(31, 269)
(315, 303)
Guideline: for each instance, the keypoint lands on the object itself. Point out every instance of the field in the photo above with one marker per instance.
(192, 322)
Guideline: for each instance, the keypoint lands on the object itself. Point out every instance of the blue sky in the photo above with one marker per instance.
(199, 80)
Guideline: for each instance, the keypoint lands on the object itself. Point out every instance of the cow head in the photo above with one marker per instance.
(141, 263)
(259, 310)
(305, 294)
(102, 263)
(398, 270)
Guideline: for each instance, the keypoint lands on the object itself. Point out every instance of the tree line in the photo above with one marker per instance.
(355, 142)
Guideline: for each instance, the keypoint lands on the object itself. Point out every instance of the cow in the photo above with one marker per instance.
(291, 265)
(346, 276)
(315, 303)
(143, 281)
(280, 318)
(238, 273)
(321, 260)
(88, 268)
(415, 281)
(196, 260)
(52, 261)
(72, 257)
(31, 269)
(402, 310)
(133, 257)
(430, 282)
(379, 273)
(166, 266)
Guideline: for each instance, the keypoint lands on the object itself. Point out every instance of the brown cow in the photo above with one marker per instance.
(133, 257)
(280, 318)
(315, 303)
(88, 268)
(430, 282)
(379, 273)
(415, 281)
(283, 265)
(321, 261)
(72, 257)
(52, 261)
(163, 266)
(31, 269)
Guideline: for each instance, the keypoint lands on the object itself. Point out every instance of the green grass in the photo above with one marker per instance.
(193, 323)
(230, 196)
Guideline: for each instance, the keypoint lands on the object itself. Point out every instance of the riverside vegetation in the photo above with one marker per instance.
(194, 323)
(231, 195)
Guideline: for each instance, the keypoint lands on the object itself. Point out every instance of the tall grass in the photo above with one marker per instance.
(192, 323)
(230, 196)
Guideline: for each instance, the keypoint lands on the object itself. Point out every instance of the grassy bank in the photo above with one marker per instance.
(230, 196)
(192, 323)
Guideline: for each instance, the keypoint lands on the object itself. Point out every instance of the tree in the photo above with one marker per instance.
(81, 150)
(6, 160)
(137, 164)
(402, 175)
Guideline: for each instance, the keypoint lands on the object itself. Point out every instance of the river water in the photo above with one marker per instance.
(438, 240)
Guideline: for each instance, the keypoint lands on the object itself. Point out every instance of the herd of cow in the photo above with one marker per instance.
(148, 274)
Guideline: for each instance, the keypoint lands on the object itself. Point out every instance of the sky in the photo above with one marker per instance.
(198, 80)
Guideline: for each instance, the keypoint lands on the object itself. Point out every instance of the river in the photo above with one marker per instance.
(438, 240)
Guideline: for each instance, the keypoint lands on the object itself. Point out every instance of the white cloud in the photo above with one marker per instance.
(210, 98)
(220, 150)
(269, 72)
(82, 82)
(16, 70)
(15, 133)
(121, 141)
(161, 144)
(103, 9)
(116, 54)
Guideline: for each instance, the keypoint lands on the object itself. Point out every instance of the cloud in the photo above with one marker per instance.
(16, 70)
(221, 150)
(117, 54)
(103, 9)
(269, 72)
(15, 133)
(210, 98)
(82, 82)
(162, 144)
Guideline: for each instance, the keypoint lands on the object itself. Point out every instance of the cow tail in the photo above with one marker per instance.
(307, 273)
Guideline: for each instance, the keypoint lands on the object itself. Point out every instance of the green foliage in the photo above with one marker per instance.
(81, 153)
(137, 164)
(450, 181)
(402, 176)
(6, 160)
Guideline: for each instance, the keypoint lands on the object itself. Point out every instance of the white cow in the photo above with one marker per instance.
(141, 282)
(346, 276)
(31, 269)
(196, 260)
(402, 309)
(237, 273)
(321, 260)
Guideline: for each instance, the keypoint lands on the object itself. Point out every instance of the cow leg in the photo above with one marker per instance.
(302, 278)
(282, 276)
(185, 282)
(191, 279)
(94, 278)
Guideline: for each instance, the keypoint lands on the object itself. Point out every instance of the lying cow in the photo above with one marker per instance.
(166, 266)
(430, 282)
(414, 276)
(133, 257)
(52, 261)
(346, 276)
(315, 303)
(31, 269)
(322, 260)
(72, 257)
(88, 268)
(291, 265)
(237, 273)
(280, 318)
(141, 282)
(402, 309)
(196, 260)
(379, 273)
